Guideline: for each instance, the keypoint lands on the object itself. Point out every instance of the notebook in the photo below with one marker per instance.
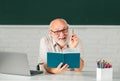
(16, 64)
(54, 59)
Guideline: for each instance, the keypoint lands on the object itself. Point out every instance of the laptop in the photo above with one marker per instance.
(16, 63)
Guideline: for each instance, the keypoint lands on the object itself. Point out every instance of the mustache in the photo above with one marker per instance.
(61, 37)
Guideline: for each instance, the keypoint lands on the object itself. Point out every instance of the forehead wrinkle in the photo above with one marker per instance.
(57, 24)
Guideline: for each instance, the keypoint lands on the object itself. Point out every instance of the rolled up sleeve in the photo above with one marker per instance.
(43, 51)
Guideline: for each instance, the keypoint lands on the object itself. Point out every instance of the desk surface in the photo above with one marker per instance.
(67, 76)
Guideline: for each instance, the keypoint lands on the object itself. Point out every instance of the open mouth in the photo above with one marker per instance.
(62, 38)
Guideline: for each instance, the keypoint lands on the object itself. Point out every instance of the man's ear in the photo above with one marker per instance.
(50, 32)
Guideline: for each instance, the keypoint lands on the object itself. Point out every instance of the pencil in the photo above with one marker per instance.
(72, 31)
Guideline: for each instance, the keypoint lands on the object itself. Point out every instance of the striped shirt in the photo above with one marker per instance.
(47, 44)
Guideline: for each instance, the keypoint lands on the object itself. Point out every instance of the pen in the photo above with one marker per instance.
(104, 64)
(72, 31)
(107, 65)
(98, 64)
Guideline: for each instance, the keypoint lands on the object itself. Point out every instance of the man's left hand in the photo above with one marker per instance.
(73, 41)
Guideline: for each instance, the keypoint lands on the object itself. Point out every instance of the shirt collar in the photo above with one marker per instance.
(55, 44)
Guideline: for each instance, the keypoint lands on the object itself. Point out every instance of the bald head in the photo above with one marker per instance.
(58, 24)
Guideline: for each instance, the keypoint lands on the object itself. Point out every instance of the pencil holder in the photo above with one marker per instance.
(104, 74)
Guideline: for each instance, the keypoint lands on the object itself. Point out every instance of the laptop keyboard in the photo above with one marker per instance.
(33, 72)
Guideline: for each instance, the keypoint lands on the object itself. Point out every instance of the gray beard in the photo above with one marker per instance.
(61, 43)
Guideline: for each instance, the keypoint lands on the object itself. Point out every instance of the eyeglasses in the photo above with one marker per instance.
(59, 31)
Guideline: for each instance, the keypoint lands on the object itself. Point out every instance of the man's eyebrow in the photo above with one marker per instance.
(61, 29)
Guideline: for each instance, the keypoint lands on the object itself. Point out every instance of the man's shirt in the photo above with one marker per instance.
(47, 44)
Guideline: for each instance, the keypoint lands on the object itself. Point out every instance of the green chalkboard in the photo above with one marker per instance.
(76, 12)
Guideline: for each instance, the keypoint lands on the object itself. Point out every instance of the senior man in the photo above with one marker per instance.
(58, 40)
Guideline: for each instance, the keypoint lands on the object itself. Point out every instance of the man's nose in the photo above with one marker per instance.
(61, 34)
